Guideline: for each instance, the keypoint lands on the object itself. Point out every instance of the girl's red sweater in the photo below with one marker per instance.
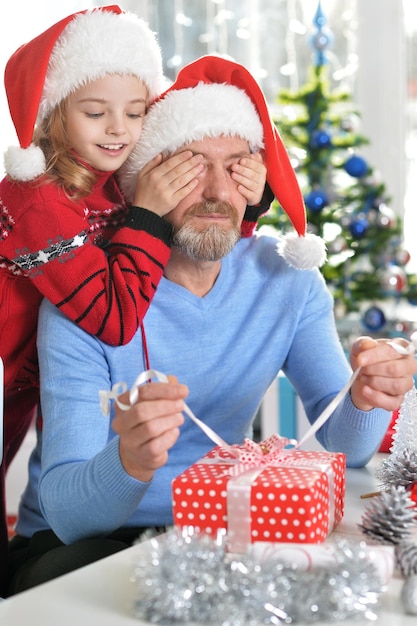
(95, 260)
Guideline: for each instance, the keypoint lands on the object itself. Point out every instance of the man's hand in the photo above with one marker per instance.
(150, 427)
(385, 375)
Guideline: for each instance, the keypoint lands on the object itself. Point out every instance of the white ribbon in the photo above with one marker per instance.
(241, 476)
(145, 377)
(238, 498)
(148, 375)
(324, 416)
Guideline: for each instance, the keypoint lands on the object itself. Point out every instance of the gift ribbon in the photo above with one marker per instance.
(238, 498)
(148, 375)
(253, 458)
(252, 462)
(145, 377)
(324, 416)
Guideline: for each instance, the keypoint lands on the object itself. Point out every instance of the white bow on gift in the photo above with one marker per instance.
(255, 449)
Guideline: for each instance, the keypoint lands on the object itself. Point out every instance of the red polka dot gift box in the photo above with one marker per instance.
(290, 496)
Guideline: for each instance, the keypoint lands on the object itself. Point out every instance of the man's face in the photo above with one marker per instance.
(207, 222)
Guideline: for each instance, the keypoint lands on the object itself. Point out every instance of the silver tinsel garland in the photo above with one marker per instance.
(184, 577)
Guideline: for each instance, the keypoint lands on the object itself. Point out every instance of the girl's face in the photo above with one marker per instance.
(105, 119)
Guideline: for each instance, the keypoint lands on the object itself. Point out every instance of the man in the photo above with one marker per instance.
(229, 314)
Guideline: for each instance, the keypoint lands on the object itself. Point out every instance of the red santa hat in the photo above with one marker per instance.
(214, 96)
(80, 48)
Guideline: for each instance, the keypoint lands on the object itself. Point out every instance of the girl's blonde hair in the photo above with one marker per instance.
(62, 168)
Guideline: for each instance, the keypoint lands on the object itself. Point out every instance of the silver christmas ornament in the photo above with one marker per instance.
(406, 558)
(409, 595)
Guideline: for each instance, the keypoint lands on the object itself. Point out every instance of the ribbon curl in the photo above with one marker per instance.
(145, 377)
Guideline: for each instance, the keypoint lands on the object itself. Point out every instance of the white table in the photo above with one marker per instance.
(102, 594)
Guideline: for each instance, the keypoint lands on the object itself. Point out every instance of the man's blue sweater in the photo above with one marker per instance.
(261, 316)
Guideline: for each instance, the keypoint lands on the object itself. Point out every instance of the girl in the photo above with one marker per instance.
(77, 95)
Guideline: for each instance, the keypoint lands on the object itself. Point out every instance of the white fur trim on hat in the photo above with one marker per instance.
(186, 115)
(97, 43)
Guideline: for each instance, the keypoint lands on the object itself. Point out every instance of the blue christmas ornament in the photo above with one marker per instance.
(356, 166)
(322, 39)
(320, 139)
(359, 227)
(319, 20)
(316, 200)
(374, 318)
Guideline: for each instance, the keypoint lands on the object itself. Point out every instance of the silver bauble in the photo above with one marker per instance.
(409, 595)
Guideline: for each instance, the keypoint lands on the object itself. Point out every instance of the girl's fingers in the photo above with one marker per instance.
(151, 165)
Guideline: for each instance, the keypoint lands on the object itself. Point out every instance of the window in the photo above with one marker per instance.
(410, 200)
(374, 54)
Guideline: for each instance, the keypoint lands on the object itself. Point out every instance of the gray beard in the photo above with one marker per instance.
(209, 245)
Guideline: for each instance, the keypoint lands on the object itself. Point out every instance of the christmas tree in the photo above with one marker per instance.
(347, 204)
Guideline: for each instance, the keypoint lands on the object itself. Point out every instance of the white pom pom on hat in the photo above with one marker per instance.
(215, 96)
(79, 48)
(304, 252)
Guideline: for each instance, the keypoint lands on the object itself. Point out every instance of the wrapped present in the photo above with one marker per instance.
(262, 493)
(307, 557)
